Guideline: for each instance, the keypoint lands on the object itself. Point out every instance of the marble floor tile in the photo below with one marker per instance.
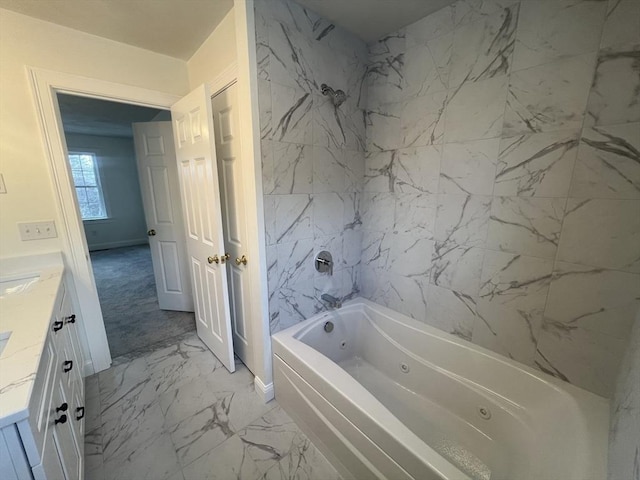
(230, 460)
(93, 455)
(187, 430)
(129, 427)
(154, 459)
(303, 462)
(186, 400)
(196, 435)
(270, 438)
(171, 367)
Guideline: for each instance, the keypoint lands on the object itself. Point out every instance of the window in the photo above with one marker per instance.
(84, 169)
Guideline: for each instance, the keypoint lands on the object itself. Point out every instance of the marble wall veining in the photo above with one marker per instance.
(624, 440)
(501, 194)
(312, 156)
(483, 175)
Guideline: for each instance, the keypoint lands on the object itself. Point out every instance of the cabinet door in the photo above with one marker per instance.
(64, 436)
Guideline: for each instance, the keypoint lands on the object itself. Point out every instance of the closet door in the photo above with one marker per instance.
(199, 187)
(234, 222)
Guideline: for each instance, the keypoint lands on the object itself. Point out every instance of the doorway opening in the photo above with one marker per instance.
(128, 212)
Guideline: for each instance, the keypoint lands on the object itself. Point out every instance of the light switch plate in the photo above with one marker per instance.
(37, 230)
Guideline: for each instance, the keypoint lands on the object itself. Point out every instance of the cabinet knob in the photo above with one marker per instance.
(70, 319)
(79, 413)
(62, 419)
(62, 408)
(57, 325)
(67, 366)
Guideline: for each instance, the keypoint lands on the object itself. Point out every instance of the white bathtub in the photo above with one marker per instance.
(385, 396)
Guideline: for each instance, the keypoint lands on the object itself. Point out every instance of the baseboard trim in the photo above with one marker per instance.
(87, 368)
(121, 243)
(265, 392)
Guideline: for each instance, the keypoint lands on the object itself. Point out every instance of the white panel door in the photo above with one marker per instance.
(196, 157)
(160, 187)
(226, 126)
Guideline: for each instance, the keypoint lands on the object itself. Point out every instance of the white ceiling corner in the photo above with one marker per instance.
(171, 27)
(372, 19)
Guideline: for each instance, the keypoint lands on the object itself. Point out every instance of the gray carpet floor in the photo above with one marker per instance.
(127, 290)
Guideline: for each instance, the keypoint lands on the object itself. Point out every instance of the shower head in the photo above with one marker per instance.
(337, 96)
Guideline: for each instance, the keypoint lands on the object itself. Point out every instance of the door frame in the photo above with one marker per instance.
(45, 84)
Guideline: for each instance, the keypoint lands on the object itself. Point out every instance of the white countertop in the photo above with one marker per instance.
(26, 315)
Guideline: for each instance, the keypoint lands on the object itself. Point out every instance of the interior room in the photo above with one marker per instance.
(409, 234)
(102, 154)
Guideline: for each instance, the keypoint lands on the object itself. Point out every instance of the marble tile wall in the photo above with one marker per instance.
(501, 191)
(624, 441)
(483, 175)
(312, 156)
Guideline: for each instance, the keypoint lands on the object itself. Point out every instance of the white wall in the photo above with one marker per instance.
(28, 41)
(216, 53)
(120, 185)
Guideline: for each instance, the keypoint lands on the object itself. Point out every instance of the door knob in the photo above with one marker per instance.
(242, 260)
(214, 259)
(224, 258)
(151, 233)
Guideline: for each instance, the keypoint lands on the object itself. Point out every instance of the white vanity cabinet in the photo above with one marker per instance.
(49, 442)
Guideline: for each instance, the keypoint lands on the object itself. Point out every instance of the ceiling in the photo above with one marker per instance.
(178, 27)
(172, 27)
(90, 116)
(372, 19)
